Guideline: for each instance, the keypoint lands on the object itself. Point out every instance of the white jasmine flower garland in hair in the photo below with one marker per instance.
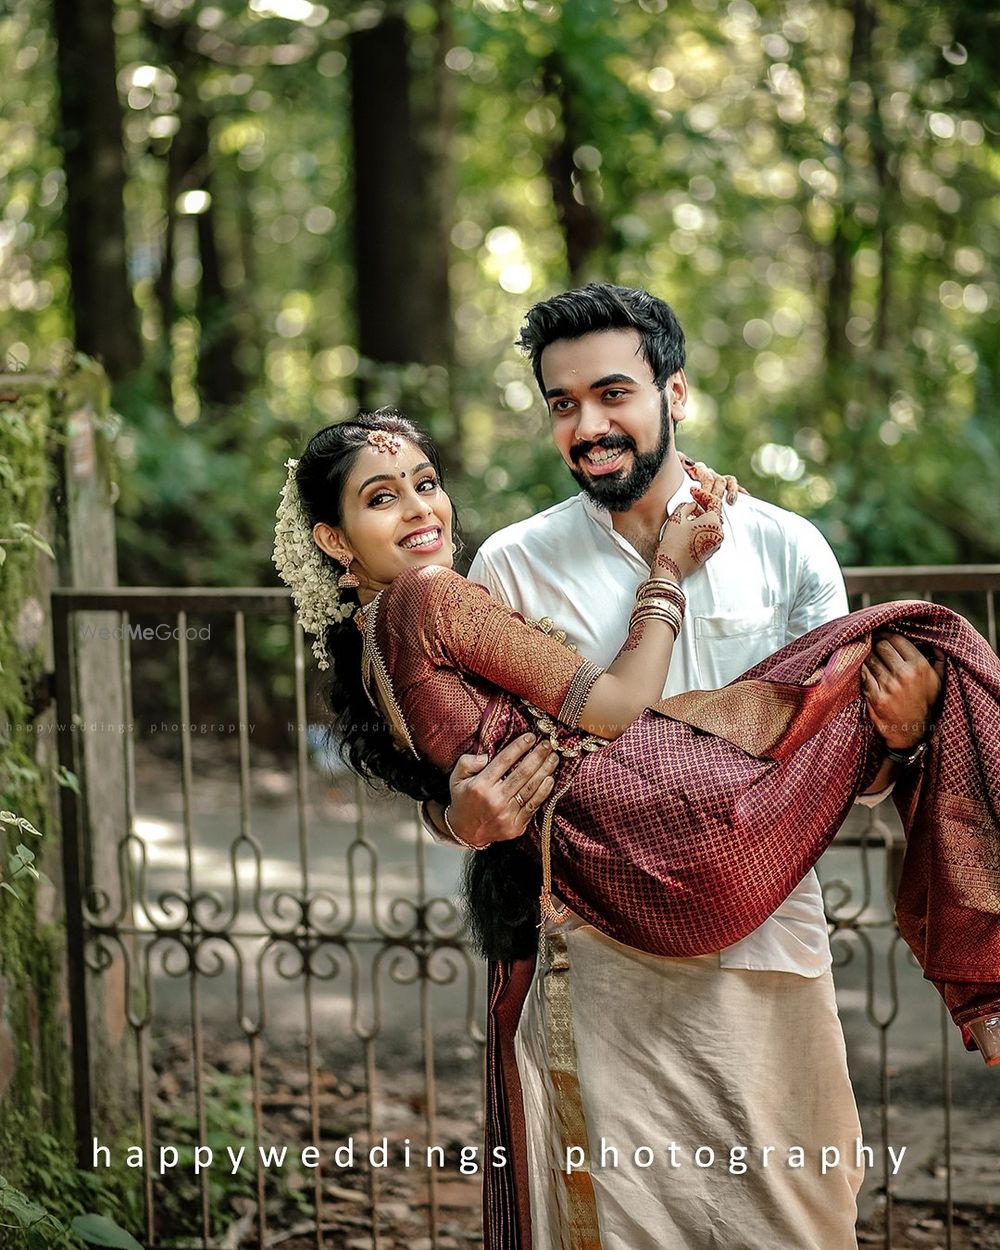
(302, 567)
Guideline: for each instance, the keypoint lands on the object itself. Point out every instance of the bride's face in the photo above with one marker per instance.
(395, 515)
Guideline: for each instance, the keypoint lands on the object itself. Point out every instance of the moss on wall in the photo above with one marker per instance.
(35, 1097)
(36, 1121)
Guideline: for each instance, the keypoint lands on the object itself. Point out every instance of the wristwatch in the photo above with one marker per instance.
(907, 756)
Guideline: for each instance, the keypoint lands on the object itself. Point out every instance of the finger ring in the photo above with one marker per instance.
(518, 799)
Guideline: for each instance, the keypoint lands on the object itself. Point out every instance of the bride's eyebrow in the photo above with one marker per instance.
(390, 477)
(379, 477)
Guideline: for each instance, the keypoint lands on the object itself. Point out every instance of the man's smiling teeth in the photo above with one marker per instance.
(602, 455)
(421, 540)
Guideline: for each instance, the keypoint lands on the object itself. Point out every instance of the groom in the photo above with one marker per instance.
(609, 362)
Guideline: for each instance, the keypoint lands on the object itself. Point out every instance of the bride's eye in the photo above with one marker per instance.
(379, 498)
(428, 481)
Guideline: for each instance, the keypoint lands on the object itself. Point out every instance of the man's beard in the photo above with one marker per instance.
(619, 491)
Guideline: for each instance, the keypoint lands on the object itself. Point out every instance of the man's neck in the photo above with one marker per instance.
(640, 524)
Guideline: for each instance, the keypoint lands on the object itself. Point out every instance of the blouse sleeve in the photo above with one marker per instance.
(471, 630)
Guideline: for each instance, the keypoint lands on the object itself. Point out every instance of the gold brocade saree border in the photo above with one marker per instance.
(771, 719)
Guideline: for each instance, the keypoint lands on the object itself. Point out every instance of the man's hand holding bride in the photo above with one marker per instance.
(492, 800)
(901, 689)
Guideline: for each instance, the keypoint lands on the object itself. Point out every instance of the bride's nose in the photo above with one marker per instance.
(416, 504)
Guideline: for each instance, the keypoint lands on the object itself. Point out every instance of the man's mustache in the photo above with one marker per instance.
(613, 442)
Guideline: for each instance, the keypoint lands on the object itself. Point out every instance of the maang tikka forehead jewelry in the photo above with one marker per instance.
(382, 440)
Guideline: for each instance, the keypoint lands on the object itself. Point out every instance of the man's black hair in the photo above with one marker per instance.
(601, 306)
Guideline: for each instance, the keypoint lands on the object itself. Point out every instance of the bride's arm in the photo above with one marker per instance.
(638, 672)
(476, 632)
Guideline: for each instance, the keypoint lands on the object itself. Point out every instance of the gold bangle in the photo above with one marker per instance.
(671, 592)
(447, 825)
(671, 619)
(659, 585)
(679, 604)
(659, 605)
(578, 693)
(644, 586)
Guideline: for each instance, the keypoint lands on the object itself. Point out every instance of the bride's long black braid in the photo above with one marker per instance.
(500, 886)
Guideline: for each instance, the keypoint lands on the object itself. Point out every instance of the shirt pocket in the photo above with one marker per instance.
(726, 646)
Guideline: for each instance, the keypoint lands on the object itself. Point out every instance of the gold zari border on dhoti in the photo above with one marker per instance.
(581, 1203)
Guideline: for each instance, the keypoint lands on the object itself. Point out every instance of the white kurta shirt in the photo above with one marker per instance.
(773, 579)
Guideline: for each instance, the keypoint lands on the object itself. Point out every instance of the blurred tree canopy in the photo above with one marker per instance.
(263, 214)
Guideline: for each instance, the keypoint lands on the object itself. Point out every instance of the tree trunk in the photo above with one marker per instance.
(888, 206)
(221, 380)
(400, 193)
(583, 226)
(841, 283)
(90, 135)
(400, 123)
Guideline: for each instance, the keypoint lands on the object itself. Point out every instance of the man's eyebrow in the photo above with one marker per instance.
(611, 377)
(390, 477)
(555, 391)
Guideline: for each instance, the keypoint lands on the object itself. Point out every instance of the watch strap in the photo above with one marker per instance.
(907, 755)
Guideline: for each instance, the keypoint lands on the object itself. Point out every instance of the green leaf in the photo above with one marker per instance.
(98, 1230)
(65, 777)
(20, 1206)
(6, 885)
(42, 546)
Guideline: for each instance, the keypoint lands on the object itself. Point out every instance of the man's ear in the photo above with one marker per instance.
(332, 542)
(676, 391)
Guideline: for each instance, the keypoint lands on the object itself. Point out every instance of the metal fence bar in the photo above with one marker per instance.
(312, 1057)
(197, 1041)
(940, 577)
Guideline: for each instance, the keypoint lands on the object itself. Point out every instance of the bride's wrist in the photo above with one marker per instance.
(664, 565)
(662, 599)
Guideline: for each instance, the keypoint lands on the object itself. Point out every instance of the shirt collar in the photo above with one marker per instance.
(603, 517)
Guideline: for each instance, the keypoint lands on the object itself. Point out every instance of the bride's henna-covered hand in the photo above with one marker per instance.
(718, 485)
(690, 536)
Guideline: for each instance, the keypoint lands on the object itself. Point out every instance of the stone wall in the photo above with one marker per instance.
(56, 477)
